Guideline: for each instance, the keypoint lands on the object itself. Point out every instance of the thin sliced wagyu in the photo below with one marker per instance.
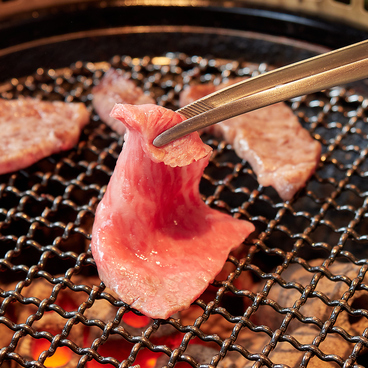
(156, 244)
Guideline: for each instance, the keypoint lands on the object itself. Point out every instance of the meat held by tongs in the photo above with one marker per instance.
(340, 66)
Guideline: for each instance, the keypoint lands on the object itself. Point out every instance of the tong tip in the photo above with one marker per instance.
(160, 140)
(177, 131)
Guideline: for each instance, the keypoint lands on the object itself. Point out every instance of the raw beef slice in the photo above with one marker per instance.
(31, 129)
(155, 242)
(116, 87)
(281, 152)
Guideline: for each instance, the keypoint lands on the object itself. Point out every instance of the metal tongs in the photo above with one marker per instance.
(340, 66)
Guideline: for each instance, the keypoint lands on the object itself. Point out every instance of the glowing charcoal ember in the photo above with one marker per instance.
(31, 129)
(120, 349)
(132, 322)
(147, 358)
(52, 322)
(136, 321)
(154, 241)
(61, 358)
(281, 152)
(116, 87)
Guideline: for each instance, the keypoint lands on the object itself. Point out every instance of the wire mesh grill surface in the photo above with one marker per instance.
(295, 289)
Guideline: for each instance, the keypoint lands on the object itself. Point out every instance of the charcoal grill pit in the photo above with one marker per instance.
(47, 210)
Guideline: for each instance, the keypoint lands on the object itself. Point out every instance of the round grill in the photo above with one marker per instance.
(306, 254)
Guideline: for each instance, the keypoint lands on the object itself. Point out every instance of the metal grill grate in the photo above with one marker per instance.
(297, 288)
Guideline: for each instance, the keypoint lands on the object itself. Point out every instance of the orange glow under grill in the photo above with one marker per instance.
(147, 358)
(136, 321)
(121, 350)
(60, 358)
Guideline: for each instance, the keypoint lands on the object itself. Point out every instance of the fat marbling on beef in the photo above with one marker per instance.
(155, 242)
(32, 129)
(281, 152)
(116, 87)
